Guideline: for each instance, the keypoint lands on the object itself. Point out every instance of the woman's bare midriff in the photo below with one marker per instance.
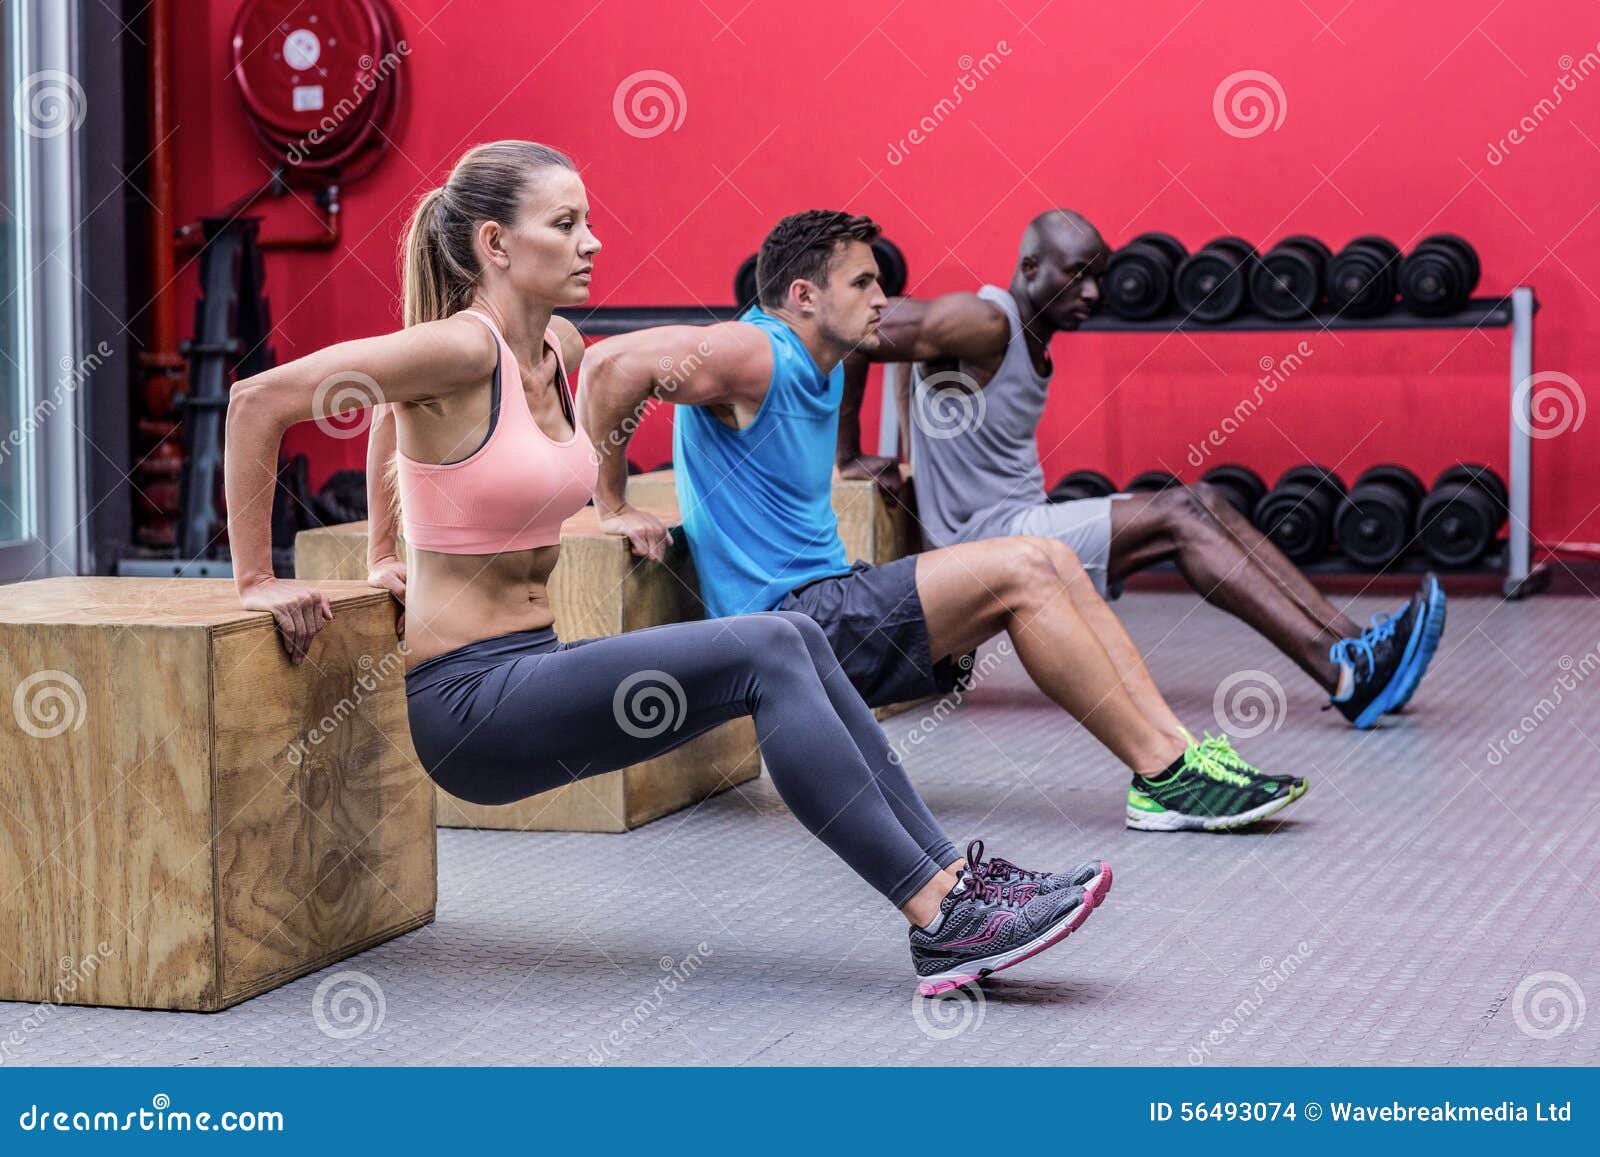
(456, 599)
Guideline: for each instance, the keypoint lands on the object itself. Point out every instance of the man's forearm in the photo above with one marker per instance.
(848, 447)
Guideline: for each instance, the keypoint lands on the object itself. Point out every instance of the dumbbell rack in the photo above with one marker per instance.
(1514, 312)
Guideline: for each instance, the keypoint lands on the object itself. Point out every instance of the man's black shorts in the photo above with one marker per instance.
(873, 617)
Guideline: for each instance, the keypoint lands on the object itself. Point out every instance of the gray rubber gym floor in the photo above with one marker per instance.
(1435, 899)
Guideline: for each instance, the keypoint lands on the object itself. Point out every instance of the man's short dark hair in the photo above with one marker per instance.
(802, 247)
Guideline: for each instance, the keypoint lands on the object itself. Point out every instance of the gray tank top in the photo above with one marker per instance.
(975, 455)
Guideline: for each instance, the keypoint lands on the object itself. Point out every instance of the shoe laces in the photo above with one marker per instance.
(990, 879)
(1363, 645)
(999, 869)
(1204, 760)
(1221, 749)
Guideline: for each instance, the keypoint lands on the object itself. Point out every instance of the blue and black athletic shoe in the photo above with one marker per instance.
(1377, 663)
(1432, 631)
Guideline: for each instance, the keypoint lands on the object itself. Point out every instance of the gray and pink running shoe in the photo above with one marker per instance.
(988, 926)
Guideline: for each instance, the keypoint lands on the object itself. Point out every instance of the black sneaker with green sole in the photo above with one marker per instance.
(1212, 789)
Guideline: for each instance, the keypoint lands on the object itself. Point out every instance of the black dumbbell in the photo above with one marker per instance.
(1439, 275)
(1288, 283)
(1240, 485)
(1363, 276)
(892, 272)
(1081, 484)
(1151, 481)
(1374, 523)
(744, 284)
(1213, 283)
(1461, 515)
(1297, 513)
(1139, 277)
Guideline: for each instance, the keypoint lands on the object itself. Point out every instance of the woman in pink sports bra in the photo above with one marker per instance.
(476, 436)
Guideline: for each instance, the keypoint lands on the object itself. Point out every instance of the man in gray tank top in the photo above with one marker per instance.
(981, 376)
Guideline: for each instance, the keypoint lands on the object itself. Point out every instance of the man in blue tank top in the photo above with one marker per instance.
(755, 433)
(983, 371)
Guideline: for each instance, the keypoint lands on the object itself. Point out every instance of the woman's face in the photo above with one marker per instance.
(551, 247)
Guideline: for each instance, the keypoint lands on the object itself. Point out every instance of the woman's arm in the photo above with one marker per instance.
(382, 439)
(422, 362)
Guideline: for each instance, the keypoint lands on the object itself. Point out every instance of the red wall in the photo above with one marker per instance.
(1388, 116)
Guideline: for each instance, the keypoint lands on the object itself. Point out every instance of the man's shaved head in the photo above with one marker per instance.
(1059, 264)
(1060, 232)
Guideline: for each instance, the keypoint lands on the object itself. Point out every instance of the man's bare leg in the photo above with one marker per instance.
(1234, 567)
(1114, 637)
(972, 592)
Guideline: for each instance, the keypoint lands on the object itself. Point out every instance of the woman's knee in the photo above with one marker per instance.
(769, 632)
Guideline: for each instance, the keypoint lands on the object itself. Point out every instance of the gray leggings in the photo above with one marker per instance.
(507, 717)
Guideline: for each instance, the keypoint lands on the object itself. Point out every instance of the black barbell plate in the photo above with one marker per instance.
(1286, 284)
(1457, 524)
(1373, 525)
(744, 284)
(1392, 474)
(1081, 484)
(892, 271)
(1478, 475)
(1311, 474)
(1306, 241)
(1139, 281)
(1165, 242)
(1213, 283)
(1152, 480)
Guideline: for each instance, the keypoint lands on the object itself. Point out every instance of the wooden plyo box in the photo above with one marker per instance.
(186, 818)
(598, 588)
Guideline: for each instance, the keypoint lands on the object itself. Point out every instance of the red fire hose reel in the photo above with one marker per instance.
(321, 81)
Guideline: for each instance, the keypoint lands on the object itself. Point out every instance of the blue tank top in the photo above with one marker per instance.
(757, 503)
